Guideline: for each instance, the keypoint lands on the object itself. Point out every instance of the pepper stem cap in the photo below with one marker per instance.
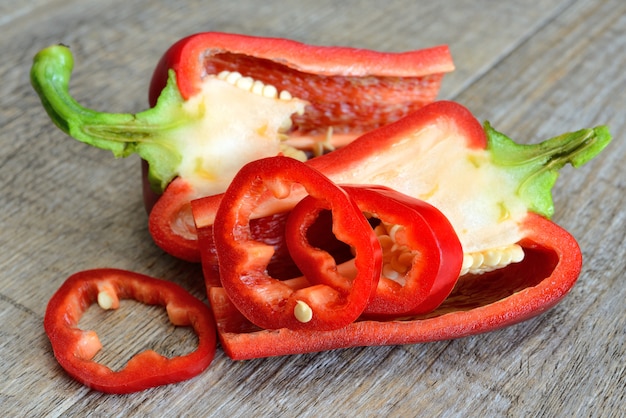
(535, 167)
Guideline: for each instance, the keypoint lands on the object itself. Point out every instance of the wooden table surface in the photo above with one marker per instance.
(534, 69)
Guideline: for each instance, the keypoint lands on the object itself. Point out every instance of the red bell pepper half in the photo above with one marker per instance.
(422, 255)
(75, 348)
(482, 181)
(478, 304)
(221, 100)
(324, 298)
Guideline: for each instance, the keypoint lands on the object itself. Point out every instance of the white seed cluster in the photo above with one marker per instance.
(397, 256)
(254, 86)
(492, 259)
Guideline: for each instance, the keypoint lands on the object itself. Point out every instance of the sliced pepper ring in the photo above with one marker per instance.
(422, 255)
(332, 302)
(74, 348)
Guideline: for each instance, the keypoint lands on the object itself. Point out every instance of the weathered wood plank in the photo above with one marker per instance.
(568, 76)
(535, 69)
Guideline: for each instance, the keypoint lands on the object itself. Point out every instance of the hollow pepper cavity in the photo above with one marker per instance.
(221, 100)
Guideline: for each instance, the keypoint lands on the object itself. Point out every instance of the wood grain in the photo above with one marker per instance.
(534, 69)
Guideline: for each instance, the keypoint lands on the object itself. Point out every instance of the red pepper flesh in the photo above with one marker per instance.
(75, 348)
(329, 299)
(478, 304)
(170, 221)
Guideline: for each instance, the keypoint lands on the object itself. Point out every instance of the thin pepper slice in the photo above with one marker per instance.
(422, 255)
(75, 348)
(324, 298)
(478, 304)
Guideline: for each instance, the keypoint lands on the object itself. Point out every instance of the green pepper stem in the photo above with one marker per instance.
(145, 133)
(536, 167)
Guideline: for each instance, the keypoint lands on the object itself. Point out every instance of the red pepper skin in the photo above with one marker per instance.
(269, 229)
(74, 348)
(170, 221)
(478, 304)
(428, 232)
(334, 300)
